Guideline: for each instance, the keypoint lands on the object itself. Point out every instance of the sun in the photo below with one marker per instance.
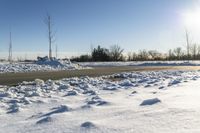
(192, 19)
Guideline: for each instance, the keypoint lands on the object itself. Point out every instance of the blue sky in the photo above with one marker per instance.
(133, 24)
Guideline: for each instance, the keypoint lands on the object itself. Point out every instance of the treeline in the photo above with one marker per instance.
(116, 53)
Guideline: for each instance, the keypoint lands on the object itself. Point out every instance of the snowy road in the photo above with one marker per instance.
(14, 78)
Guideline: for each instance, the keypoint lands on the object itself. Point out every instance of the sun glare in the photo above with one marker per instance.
(192, 19)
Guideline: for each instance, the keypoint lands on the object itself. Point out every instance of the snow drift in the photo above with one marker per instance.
(144, 102)
(47, 65)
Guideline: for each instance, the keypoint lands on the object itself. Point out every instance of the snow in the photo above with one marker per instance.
(55, 65)
(140, 63)
(142, 102)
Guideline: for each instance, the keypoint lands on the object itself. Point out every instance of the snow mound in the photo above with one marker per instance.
(150, 102)
(47, 65)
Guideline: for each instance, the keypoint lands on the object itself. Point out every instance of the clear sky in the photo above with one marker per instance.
(133, 24)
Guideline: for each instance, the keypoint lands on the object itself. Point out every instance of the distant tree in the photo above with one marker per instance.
(187, 43)
(10, 49)
(116, 53)
(198, 52)
(82, 58)
(170, 55)
(178, 53)
(143, 55)
(194, 50)
(129, 56)
(100, 54)
(154, 54)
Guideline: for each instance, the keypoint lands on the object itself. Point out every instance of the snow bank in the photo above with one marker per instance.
(54, 65)
(136, 103)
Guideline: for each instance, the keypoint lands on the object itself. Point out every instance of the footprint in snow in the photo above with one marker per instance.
(44, 120)
(150, 102)
(71, 93)
(89, 92)
(161, 87)
(174, 82)
(134, 92)
(14, 108)
(88, 125)
(60, 109)
(96, 100)
(86, 107)
(146, 86)
(110, 88)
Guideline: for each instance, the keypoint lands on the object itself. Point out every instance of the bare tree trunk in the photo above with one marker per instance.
(56, 51)
(10, 49)
(188, 45)
(51, 36)
(50, 39)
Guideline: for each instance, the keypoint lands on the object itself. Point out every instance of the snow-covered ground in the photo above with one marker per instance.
(38, 66)
(139, 102)
(141, 63)
(66, 65)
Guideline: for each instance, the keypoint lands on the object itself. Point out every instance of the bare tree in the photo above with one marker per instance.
(56, 51)
(51, 34)
(129, 56)
(178, 52)
(116, 52)
(187, 43)
(10, 49)
(143, 55)
(198, 52)
(154, 54)
(194, 50)
(134, 56)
